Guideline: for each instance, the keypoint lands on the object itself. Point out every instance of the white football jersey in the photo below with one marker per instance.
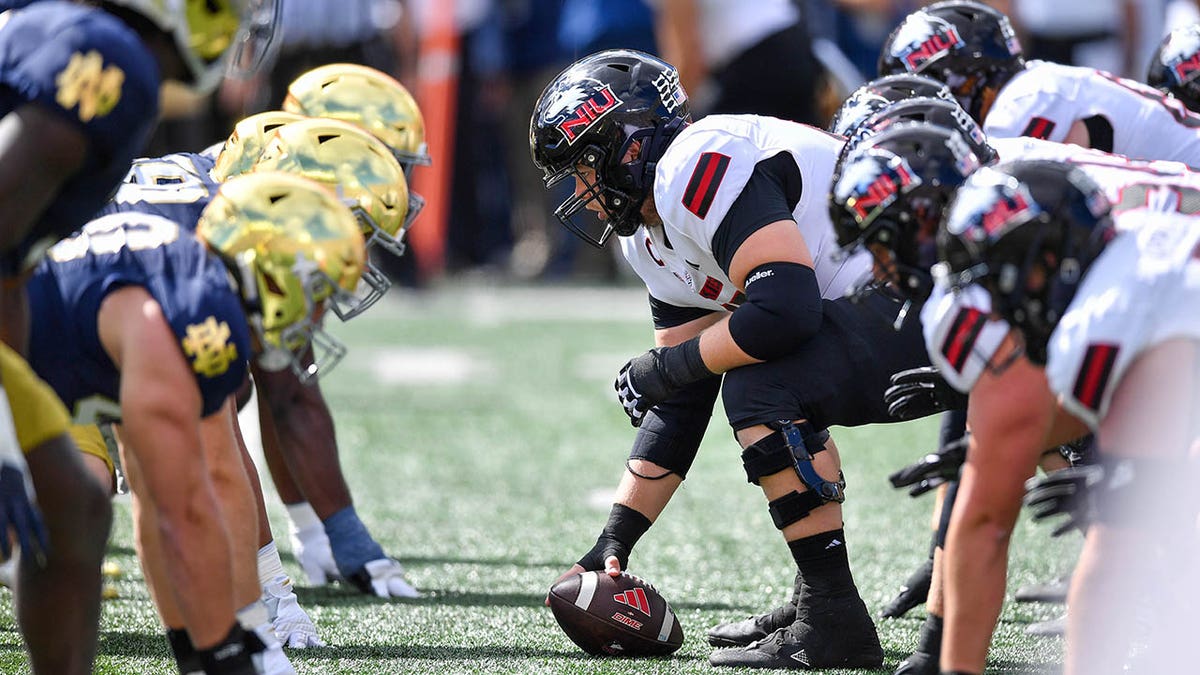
(1045, 99)
(696, 182)
(1143, 290)
(960, 341)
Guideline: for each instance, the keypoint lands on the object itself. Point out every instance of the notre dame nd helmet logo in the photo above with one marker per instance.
(207, 345)
(91, 85)
(576, 109)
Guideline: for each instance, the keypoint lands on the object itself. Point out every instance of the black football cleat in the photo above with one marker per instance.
(919, 663)
(742, 633)
(914, 592)
(827, 633)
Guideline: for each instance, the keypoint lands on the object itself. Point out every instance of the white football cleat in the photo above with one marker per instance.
(293, 627)
(311, 547)
(384, 578)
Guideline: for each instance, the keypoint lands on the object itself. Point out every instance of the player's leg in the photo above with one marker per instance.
(1140, 553)
(58, 602)
(305, 428)
(291, 623)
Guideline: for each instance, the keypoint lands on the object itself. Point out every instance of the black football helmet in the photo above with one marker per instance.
(893, 191)
(938, 112)
(589, 116)
(1017, 223)
(878, 94)
(1175, 68)
(969, 46)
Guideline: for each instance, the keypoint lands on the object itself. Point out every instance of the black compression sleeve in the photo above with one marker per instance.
(781, 311)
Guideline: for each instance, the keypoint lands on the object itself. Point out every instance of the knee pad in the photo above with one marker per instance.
(793, 445)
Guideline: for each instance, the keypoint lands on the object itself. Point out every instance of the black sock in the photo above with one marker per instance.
(930, 641)
(230, 656)
(822, 561)
(186, 658)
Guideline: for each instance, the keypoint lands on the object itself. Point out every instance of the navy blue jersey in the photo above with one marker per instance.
(183, 276)
(176, 186)
(92, 70)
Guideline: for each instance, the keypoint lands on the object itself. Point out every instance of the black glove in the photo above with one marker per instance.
(622, 531)
(933, 469)
(1064, 492)
(919, 392)
(651, 378)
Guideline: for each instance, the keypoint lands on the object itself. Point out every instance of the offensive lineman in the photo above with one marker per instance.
(721, 220)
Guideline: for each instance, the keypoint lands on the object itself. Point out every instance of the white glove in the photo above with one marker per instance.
(384, 578)
(292, 625)
(311, 546)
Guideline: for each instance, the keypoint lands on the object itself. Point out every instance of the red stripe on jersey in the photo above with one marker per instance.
(1039, 127)
(961, 339)
(706, 179)
(1093, 375)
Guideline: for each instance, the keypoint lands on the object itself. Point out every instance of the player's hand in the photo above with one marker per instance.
(291, 623)
(933, 469)
(384, 578)
(650, 379)
(311, 546)
(918, 392)
(19, 512)
(1064, 492)
(612, 567)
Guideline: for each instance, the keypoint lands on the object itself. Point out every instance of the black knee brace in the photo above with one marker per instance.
(793, 445)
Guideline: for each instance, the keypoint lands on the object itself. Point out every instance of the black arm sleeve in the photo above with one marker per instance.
(666, 315)
(770, 195)
(671, 431)
(1100, 132)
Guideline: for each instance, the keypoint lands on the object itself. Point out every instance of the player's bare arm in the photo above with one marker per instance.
(34, 136)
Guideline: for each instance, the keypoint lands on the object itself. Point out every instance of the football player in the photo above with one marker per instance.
(81, 97)
(143, 323)
(363, 169)
(961, 342)
(973, 49)
(726, 223)
(329, 539)
(1107, 323)
(1176, 65)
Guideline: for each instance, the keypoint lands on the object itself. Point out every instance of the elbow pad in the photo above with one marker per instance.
(781, 311)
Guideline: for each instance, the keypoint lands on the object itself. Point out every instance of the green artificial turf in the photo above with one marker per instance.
(481, 439)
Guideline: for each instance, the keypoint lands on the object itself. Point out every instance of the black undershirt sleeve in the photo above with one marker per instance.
(666, 315)
(770, 195)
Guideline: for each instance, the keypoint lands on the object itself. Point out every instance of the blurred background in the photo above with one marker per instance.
(476, 68)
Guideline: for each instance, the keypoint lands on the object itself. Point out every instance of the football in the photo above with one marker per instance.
(617, 616)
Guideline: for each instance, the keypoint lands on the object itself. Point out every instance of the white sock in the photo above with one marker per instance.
(269, 564)
(303, 516)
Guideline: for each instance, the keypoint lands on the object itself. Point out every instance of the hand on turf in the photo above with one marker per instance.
(919, 392)
(19, 512)
(311, 546)
(933, 469)
(291, 623)
(1064, 492)
(384, 578)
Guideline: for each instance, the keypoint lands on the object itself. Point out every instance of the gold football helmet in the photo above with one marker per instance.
(246, 142)
(372, 100)
(289, 244)
(359, 168)
(211, 34)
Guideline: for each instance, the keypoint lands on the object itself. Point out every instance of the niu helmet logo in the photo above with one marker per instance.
(883, 189)
(1186, 68)
(635, 598)
(1008, 210)
(577, 109)
(942, 38)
